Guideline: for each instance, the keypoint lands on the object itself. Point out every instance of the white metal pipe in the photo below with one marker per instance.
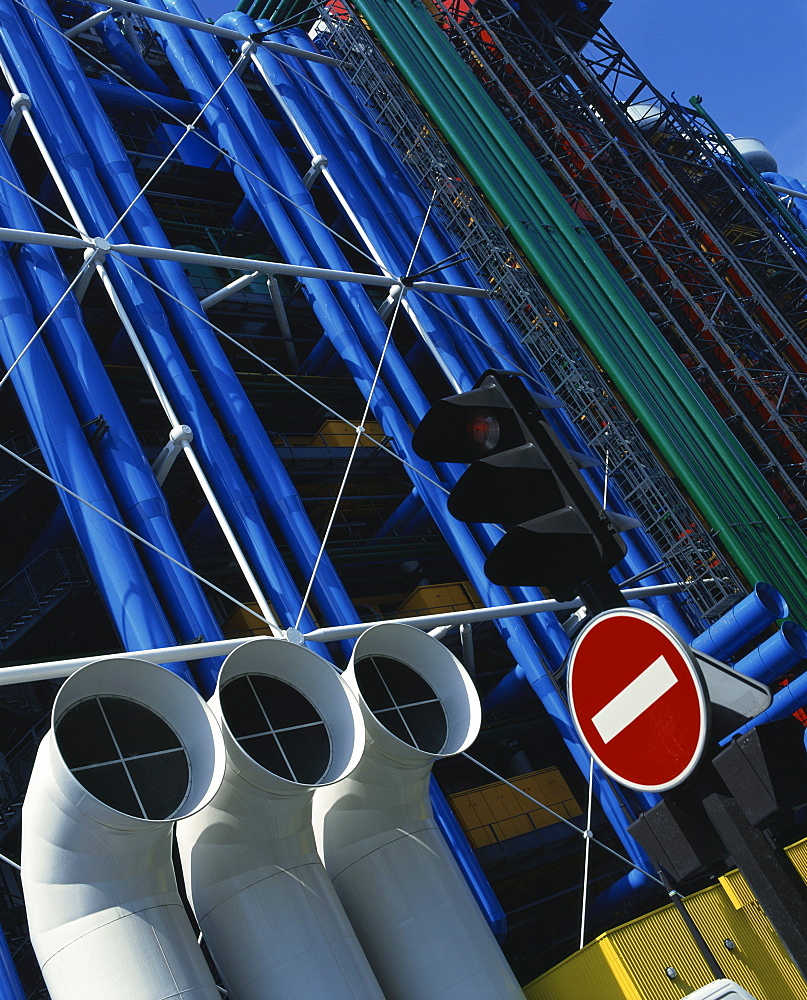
(227, 290)
(90, 22)
(790, 191)
(44, 239)
(214, 29)
(102, 246)
(190, 454)
(407, 899)
(266, 907)
(318, 164)
(237, 263)
(104, 913)
(55, 669)
(19, 102)
(294, 270)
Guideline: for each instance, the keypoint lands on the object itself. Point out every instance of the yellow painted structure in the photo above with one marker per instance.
(496, 812)
(431, 599)
(630, 962)
(242, 624)
(338, 434)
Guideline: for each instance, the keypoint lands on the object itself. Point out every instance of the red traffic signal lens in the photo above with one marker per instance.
(484, 430)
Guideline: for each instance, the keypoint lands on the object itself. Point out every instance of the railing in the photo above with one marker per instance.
(12, 472)
(16, 772)
(32, 591)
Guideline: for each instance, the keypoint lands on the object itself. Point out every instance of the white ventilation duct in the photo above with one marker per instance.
(406, 897)
(132, 747)
(266, 907)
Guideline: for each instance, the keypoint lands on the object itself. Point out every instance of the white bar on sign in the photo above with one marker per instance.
(642, 692)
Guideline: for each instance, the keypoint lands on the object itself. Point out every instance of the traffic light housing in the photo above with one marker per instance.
(521, 476)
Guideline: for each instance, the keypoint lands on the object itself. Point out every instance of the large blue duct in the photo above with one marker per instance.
(354, 339)
(118, 451)
(10, 985)
(139, 300)
(110, 553)
(221, 381)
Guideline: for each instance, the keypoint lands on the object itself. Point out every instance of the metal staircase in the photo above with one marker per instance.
(36, 590)
(12, 473)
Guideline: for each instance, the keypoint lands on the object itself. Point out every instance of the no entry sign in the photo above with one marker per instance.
(637, 699)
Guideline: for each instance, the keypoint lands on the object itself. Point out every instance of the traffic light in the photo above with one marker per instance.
(521, 476)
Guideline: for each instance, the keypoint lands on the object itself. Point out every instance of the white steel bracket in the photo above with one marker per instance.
(318, 164)
(19, 103)
(177, 439)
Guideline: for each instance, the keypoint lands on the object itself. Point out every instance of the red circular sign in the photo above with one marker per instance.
(637, 699)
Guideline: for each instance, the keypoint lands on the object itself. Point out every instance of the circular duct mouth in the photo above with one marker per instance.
(403, 702)
(125, 755)
(277, 727)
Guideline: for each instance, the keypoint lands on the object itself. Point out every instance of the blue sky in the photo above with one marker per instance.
(747, 58)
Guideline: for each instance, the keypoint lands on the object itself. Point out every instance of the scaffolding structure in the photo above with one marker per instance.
(610, 430)
(239, 279)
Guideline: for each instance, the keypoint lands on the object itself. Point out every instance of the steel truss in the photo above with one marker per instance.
(726, 286)
(610, 429)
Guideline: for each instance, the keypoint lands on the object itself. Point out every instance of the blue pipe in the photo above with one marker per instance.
(110, 553)
(616, 895)
(115, 97)
(786, 701)
(10, 985)
(462, 851)
(132, 63)
(118, 451)
(342, 333)
(511, 688)
(410, 505)
(353, 149)
(257, 451)
(798, 206)
(138, 298)
(776, 655)
(742, 623)
(415, 405)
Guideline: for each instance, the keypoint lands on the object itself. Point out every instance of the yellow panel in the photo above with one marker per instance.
(241, 623)
(433, 598)
(482, 836)
(798, 855)
(338, 434)
(482, 808)
(591, 974)
(629, 962)
(512, 827)
(503, 809)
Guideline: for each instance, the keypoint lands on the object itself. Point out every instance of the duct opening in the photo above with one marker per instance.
(277, 727)
(125, 755)
(403, 702)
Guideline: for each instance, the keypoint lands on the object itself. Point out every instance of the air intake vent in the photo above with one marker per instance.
(277, 727)
(403, 702)
(125, 755)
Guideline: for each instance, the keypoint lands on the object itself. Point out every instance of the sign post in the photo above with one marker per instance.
(638, 699)
(642, 702)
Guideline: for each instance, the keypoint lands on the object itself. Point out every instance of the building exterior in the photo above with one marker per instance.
(168, 405)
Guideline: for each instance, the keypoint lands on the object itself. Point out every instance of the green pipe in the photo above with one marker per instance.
(639, 361)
